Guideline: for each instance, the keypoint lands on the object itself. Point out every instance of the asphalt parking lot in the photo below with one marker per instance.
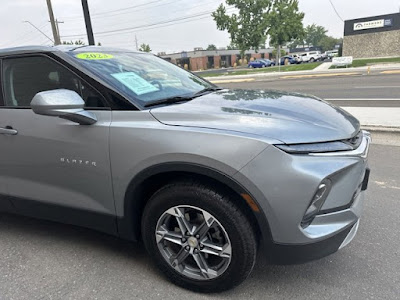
(45, 260)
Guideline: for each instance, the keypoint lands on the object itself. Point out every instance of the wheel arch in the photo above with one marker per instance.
(148, 181)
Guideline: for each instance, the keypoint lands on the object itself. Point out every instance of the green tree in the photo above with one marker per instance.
(211, 47)
(78, 43)
(256, 19)
(248, 26)
(232, 46)
(329, 42)
(314, 34)
(145, 48)
(286, 22)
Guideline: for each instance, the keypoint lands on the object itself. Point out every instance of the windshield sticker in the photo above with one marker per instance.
(135, 83)
(93, 56)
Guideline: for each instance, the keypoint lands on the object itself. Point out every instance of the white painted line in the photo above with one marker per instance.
(362, 99)
(378, 87)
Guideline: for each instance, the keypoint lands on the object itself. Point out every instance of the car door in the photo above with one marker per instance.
(54, 168)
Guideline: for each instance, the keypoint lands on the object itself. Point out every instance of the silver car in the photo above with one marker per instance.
(131, 145)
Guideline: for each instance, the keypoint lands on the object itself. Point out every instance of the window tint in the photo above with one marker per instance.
(24, 77)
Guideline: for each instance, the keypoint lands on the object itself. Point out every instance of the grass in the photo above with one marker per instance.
(366, 62)
(301, 67)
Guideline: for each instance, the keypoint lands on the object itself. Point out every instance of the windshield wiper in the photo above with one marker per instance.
(170, 100)
(207, 90)
(177, 99)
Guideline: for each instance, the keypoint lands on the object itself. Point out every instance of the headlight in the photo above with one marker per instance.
(316, 148)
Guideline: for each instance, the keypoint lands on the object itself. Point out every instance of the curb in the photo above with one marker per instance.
(381, 129)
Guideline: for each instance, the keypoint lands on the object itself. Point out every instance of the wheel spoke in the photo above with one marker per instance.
(210, 248)
(165, 234)
(203, 266)
(183, 224)
(177, 260)
(205, 226)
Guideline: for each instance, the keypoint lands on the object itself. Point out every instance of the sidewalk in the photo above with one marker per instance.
(385, 119)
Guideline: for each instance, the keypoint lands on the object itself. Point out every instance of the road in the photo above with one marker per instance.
(44, 260)
(372, 89)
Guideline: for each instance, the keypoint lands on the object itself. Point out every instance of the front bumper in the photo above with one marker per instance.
(283, 186)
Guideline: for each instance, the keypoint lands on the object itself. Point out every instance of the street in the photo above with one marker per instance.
(355, 90)
(45, 260)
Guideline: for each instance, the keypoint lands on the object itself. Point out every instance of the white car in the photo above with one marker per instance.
(311, 56)
(332, 53)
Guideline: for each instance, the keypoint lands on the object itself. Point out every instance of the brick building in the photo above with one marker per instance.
(372, 37)
(210, 59)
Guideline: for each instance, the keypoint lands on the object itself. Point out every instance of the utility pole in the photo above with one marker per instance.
(57, 40)
(58, 29)
(88, 22)
(137, 44)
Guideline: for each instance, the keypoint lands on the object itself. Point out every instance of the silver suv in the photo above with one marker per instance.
(131, 145)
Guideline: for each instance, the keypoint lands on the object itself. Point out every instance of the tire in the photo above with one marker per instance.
(312, 59)
(230, 225)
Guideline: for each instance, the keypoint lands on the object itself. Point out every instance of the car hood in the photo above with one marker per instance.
(287, 117)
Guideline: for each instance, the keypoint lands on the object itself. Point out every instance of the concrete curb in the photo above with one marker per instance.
(381, 129)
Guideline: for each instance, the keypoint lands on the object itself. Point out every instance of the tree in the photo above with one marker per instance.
(256, 19)
(314, 34)
(211, 47)
(232, 46)
(145, 48)
(78, 43)
(287, 22)
(248, 26)
(329, 42)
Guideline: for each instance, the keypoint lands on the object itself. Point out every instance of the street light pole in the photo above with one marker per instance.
(88, 22)
(57, 40)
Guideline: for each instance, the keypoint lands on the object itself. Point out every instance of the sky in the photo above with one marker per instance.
(192, 26)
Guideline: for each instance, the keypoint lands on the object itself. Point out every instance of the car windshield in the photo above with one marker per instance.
(141, 77)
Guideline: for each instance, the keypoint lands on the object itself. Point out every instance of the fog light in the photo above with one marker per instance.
(318, 200)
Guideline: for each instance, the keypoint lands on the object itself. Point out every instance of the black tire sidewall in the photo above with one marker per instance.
(236, 225)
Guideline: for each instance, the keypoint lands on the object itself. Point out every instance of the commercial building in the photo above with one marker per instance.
(210, 59)
(372, 37)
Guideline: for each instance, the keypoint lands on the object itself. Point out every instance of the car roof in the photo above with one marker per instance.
(61, 48)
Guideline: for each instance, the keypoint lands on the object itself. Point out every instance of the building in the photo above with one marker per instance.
(210, 59)
(372, 37)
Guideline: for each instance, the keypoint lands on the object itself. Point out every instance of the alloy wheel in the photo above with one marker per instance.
(193, 242)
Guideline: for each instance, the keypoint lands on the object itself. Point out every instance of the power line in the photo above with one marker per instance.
(145, 25)
(334, 8)
(114, 11)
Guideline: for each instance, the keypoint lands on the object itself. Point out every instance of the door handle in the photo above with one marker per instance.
(8, 130)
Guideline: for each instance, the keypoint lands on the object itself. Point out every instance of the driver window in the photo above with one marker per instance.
(24, 77)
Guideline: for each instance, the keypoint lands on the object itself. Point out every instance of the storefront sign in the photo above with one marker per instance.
(369, 25)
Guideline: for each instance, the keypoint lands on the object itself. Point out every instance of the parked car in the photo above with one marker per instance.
(268, 63)
(258, 63)
(332, 53)
(297, 57)
(288, 59)
(129, 144)
(311, 56)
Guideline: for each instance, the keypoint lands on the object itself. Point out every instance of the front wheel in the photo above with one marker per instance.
(198, 237)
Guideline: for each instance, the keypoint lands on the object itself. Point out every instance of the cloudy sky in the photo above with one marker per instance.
(176, 25)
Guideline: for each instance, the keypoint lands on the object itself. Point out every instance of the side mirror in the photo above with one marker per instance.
(64, 104)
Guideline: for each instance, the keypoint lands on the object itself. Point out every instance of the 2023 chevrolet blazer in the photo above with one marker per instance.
(131, 145)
